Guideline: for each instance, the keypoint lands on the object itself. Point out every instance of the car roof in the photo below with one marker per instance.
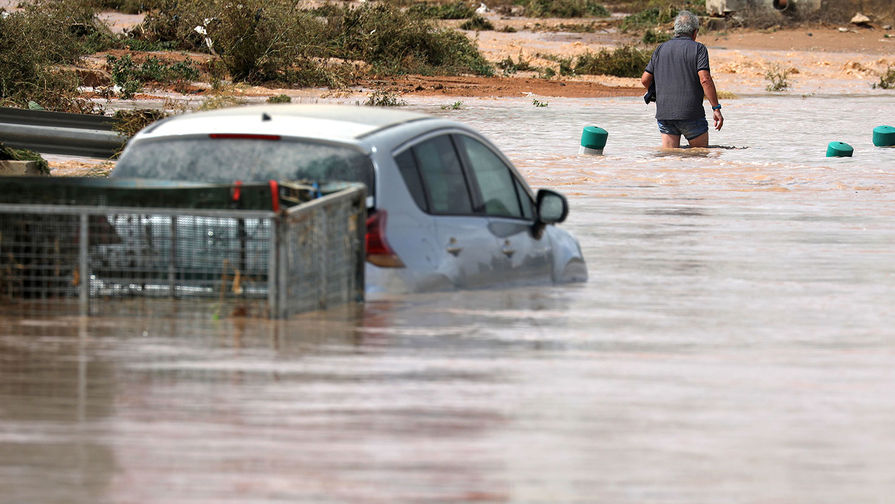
(330, 122)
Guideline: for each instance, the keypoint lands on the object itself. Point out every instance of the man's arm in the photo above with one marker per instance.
(708, 87)
(647, 79)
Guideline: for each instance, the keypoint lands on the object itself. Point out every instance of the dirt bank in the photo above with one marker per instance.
(499, 87)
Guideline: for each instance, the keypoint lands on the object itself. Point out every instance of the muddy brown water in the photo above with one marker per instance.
(735, 343)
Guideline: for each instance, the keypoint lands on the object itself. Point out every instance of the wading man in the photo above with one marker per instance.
(679, 69)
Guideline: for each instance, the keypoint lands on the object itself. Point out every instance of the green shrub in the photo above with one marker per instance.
(564, 8)
(394, 42)
(509, 67)
(383, 99)
(456, 10)
(275, 40)
(280, 98)
(648, 18)
(625, 61)
(477, 23)
(655, 37)
(778, 78)
(886, 80)
(130, 76)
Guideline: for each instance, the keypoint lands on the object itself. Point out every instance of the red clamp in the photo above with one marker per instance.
(274, 195)
(235, 191)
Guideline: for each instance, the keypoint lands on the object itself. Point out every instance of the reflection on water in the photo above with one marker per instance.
(734, 344)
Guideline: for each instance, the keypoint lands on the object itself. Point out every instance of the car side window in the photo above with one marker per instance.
(407, 166)
(442, 176)
(528, 211)
(495, 181)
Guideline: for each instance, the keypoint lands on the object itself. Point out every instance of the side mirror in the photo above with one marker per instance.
(552, 207)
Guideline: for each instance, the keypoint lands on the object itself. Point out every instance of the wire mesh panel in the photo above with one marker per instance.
(57, 259)
(39, 260)
(225, 259)
(322, 253)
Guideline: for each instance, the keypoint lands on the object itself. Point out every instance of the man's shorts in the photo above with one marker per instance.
(690, 128)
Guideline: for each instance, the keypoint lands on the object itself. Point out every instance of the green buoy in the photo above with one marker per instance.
(839, 149)
(593, 139)
(884, 136)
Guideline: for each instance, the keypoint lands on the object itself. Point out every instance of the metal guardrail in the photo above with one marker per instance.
(59, 132)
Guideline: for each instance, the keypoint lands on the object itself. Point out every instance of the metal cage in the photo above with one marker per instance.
(96, 260)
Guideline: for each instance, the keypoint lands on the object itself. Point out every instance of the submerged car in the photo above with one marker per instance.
(446, 209)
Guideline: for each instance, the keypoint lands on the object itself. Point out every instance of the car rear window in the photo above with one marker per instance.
(226, 160)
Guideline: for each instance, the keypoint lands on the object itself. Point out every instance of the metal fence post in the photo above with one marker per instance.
(172, 284)
(273, 267)
(84, 266)
(283, 273)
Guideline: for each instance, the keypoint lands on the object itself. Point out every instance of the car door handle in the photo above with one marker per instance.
(507, 250)
(452, 247)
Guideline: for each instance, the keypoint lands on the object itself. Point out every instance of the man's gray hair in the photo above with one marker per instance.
(686, 23)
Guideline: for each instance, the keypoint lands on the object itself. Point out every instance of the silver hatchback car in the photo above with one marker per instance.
(446, 208)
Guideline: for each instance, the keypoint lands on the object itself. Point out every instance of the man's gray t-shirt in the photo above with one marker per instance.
(675, 65)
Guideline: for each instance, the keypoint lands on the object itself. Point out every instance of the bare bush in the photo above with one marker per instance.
(35, 42)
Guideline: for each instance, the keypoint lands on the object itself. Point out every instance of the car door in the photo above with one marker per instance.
(468, 249)
(525, 250)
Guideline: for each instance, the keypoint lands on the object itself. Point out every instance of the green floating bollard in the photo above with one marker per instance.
(839, 149)
(593, 139)
(884, 136)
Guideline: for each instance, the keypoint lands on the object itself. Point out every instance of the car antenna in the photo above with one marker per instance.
(265, 117)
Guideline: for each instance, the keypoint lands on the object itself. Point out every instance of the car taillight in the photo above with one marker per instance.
(378, 251)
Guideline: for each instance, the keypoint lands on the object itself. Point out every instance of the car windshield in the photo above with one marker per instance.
(244, 159)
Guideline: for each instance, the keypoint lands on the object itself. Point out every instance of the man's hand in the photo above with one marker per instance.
(719, 119)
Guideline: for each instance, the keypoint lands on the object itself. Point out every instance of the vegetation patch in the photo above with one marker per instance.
(477, 23)
(393, 42)
(10, 154)
(277, 41)
(625, 61)
(280, 98)
(655, 37)
(564, 8)
(129, 122)
(384, 99)
(131, 76)
(35, 41)
(726, 95)
(221, 101)
(455, 10)
(886, 80)
(125, 6)
(648, 18)
(509, 67)
(778, 78)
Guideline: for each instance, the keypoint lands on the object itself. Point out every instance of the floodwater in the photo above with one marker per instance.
(735, 344)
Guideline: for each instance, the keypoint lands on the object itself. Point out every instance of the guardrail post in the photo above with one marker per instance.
(84, 266)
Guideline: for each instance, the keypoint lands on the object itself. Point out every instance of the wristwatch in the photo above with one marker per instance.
(717, 107)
